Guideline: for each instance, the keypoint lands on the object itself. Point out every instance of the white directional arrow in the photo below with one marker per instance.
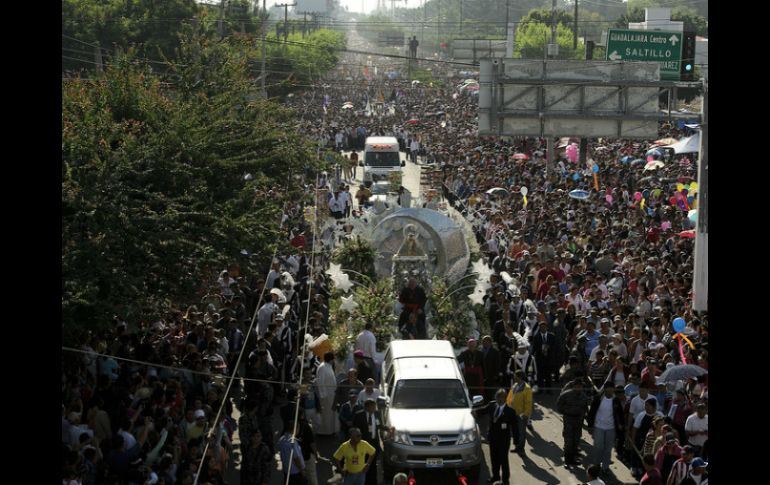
(615, 56)
(674, 39)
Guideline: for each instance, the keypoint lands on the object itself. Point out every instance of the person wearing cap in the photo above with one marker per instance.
(606, 418)
(347, 411)
(603, 344)
(681, 467)
(618, 344)
(698, 474)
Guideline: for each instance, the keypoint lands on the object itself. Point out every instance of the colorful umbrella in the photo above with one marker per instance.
(520, 156)
(687, 234)
(413, 121)
(626, 159)
(638, 161)
(654, 165)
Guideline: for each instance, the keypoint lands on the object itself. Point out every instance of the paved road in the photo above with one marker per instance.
(544, 463)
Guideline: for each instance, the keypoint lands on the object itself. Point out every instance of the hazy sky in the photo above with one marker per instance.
(369, 5)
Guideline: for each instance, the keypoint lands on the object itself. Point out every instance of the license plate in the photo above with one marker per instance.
(431, 462)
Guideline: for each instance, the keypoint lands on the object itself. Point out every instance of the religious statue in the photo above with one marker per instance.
(410, 246)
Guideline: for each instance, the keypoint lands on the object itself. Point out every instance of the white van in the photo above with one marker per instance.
(381, 157)
(426, 410)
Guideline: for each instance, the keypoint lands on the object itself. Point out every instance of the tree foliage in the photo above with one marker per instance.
(532, 38)
(154, 199)
(152, 27)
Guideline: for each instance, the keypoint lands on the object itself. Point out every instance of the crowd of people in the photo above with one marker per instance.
(581, 304)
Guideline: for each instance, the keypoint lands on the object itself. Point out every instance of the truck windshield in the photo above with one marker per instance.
(382, 159)
(429, 394)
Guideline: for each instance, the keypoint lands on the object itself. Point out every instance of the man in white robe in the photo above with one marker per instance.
(326, 384)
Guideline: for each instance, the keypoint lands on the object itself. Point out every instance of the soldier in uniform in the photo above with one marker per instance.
(572, 404)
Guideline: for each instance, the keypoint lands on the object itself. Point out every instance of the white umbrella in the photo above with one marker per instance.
(497, 190)
(654, 165)
(688, 145)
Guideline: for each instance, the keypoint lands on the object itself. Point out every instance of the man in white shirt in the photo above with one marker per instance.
(414, 147)
(697, 428)
(367, 342)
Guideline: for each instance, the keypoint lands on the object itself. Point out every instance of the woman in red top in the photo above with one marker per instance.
(542, 290)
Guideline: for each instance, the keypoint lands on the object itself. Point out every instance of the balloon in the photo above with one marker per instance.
(572, 153)
(684, 191)
(692, 216)
(646, 193)
(608, 198)
(576, 177)
(665, 226)
(672, 200)
(679, 324)
(524, 191)
(679, 187)
(678, 195)
(693, 186)
(690, 200)
(649, 211)
(595, 168)
(638, 196)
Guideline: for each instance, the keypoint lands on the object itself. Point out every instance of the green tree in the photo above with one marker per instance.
(532, 38)
(544, 16)
(154, 199)
(152, 27)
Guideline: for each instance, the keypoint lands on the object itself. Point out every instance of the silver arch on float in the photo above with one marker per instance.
(438, 232)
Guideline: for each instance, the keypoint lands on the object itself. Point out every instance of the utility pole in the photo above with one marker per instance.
(264, 38)
(422, 27)
(553, 22)
(700, 277)
(286, 19)
(98, 57)
(220, 22)
(438, 25)
(574, 35)
(507, 13)
(462, 14)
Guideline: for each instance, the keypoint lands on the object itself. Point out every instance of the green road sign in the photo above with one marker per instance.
(647, 45)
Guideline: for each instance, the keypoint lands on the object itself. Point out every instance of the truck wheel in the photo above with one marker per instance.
(474, 473)
(387, 473)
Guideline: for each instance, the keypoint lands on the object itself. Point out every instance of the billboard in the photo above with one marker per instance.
(315, 6)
